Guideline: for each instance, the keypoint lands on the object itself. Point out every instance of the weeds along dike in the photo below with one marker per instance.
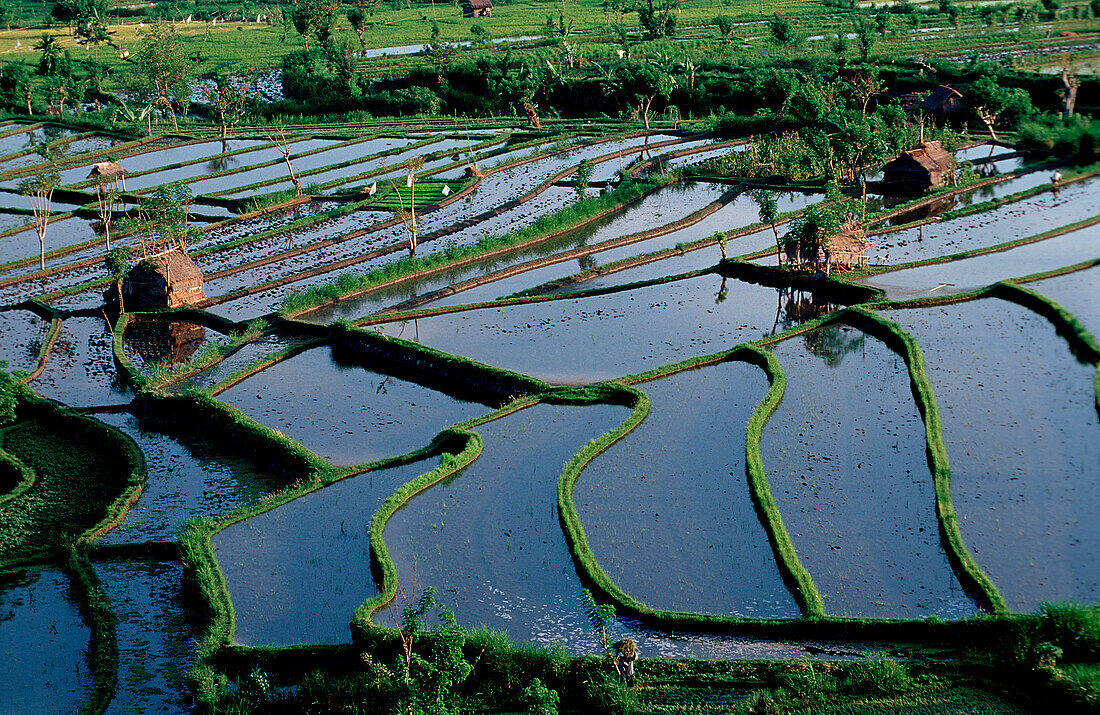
(975, 581)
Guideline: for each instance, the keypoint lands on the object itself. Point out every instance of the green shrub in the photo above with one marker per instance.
(539, 699)
(877, 677)
(605, 693)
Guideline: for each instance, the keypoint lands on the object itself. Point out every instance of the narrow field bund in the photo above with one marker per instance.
(1031, 534)
(847, 459)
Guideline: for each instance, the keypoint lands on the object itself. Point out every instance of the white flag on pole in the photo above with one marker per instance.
(446, 190)
(409, 181)
(373, 189)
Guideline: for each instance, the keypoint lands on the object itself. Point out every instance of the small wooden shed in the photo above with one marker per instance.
(926, 167)
(168, 279)
(477, 8)
(942, 102)
(848, 247)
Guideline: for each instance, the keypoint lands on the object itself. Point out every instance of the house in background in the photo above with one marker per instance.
(477, 8)
(917, 170)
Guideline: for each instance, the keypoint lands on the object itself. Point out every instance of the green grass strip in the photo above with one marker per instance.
(1081, 341)
(44, 351)
(102, 654)
(15, 473)
(451, 461)
(794, 573)
(972, 577)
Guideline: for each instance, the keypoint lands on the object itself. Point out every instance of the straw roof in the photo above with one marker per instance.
(931, 156)
(174, 263)
(851, 239)
(478, 4)
(107, 169)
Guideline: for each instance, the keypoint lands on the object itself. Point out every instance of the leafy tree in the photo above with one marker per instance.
(39, 187)
(864, 39)
(481, 35)
(992, 103)
(229, 99)
(52, 61)
(118, 265)
(642, 83)
(601, 616)
(357, 18)
(16, 90)
(658, 17)
(582, 177)
(314, 18)
(161, 71)
(440, 53)
(161, 220)
(783, 33)
(839, 47)
(769, 214)
(725, 28)
(539, 699)
(430, 665)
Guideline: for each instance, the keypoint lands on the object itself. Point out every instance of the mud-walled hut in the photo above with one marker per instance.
(917, 170)
(477, 8)
(848, 247)
(169, 279)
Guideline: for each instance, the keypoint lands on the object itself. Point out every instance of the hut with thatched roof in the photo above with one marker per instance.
(926, 167)
(848, 247)
(168, 279)
(477, 8)
(108, 170)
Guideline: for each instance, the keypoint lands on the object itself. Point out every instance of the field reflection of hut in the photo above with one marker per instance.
(798, 306)
(170, 342)
(169, 279)
(928, 166)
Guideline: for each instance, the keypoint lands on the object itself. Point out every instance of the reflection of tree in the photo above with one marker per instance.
(832, 342)
(797, 306)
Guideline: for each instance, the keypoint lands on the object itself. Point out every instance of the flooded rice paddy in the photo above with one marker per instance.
(1003, 376)
(352, 415)
(845, 454)
(666, 509)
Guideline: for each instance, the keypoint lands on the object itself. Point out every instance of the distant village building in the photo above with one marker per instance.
(942, 102)
(917, 170)
(477, 8)
(169, 279)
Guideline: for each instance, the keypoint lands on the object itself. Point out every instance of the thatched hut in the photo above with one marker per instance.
(110, 171)
(168, 279)
(848, 247)
(926, 167)
(477, 8)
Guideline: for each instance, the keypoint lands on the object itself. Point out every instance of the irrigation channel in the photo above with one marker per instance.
(548, 398)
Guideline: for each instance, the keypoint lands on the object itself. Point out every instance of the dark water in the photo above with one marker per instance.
(172, 342)
(845, 454)
(293, 585)
(667, 509)
(43, 641)
(80, 371)
(1079, 293)
(971, 273)
(24, 332)
(186, 479)
(243, 357)
(584, 340)
(1021, 427)
(348, 415)
(1010, 222)
(155, 637)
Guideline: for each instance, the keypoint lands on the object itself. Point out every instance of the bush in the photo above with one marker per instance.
(1077, 139)
(605, 693)
(877, 677)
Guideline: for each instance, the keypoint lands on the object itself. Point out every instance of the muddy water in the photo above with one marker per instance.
(667, 509)
(349, 415)
(186, 478)
(240, 359)
(845, 454)
(291, 585)
(155, 638)
(42, 643)
(1077, 293)
(1031, 216)
(59, 234)
(971, 273)
(1021, 427)
(80, 371)
(24, 333)
(172, 343)
(584, 340)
